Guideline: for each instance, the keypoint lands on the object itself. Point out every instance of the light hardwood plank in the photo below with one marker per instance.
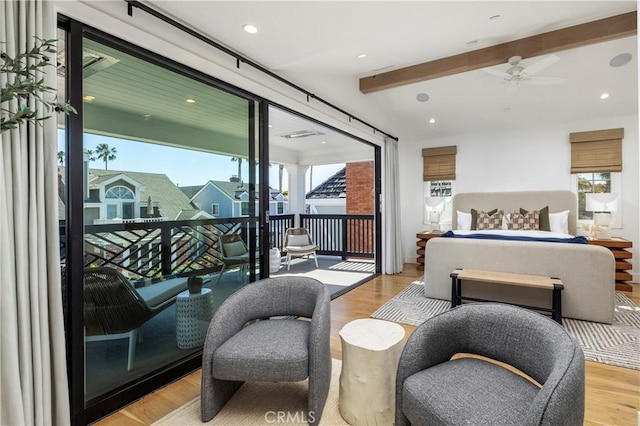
(612, 393)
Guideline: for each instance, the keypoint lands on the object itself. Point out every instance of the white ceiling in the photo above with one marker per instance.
(315, 43)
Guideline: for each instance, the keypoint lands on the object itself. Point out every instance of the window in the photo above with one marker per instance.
(596, 164)
(119, 203)
(280, 207)
(585, 183)
(588, 183)
(244, 208)
(439, 188)
(215, 209)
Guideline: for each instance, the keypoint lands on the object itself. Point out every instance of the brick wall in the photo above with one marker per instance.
(360, 190)
(360, 187)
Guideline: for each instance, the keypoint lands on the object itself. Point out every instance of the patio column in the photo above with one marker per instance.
(297, 175)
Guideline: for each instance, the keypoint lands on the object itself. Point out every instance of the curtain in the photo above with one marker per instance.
(393, 262)
(33, 375)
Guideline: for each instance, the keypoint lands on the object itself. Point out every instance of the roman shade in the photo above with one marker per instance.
(596, 151)
(439, 163)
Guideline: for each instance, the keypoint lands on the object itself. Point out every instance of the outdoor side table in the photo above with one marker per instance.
(371, 350)
(193, 314)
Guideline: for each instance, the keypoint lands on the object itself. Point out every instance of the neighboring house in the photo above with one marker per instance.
(231, 199)
(125, 195)
(330, 197)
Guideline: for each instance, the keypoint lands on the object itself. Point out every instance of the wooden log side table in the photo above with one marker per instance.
(193, 315)
(371, 350)
(618, 247)
(423, 239)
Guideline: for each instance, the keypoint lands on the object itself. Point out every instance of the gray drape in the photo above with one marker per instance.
(393, 262)
(33, 375)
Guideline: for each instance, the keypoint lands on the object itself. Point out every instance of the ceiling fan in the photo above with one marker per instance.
(517, 73)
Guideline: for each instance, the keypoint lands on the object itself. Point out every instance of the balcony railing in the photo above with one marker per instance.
(148, 250)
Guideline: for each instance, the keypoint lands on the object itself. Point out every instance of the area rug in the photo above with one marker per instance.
(616, 344)
(264, 404)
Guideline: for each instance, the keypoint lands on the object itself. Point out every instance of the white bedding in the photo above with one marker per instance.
(512, 233)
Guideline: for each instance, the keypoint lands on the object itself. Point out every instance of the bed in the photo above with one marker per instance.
(587, 271)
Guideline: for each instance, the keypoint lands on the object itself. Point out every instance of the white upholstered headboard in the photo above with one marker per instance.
(511, 201)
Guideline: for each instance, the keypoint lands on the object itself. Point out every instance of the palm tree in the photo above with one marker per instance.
(239, 160)
(61, 157)
(106, 153)
(90, 154)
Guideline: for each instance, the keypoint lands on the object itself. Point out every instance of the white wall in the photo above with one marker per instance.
(523, 160)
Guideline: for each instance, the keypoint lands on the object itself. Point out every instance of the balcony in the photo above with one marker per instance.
(148, 250)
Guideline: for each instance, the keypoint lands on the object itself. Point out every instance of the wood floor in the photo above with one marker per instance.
(612, 393)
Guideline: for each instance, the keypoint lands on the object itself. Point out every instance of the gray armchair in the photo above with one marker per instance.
(239, 349)
(432, 389)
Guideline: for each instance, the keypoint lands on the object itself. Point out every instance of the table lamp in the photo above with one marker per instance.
(436, 205)
(602, 204)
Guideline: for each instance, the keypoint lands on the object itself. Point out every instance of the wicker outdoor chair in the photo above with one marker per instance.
(235, 254)
(298, 243)
(113, 309)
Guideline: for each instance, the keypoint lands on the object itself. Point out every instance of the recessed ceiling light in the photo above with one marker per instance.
(251, 29)
(422, 97)
(323, 142)
(270, 125)
(604, 96)
(146, 117)
(362, 55)
(491, 18)
(88, 98)
(620, 60)
(432, 120)
(190, 101)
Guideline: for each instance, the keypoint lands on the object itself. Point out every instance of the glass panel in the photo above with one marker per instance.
(328, 179)
(158, 147)
(589, 183)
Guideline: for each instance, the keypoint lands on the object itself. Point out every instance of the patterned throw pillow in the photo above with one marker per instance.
(529, 221)
(490, 221)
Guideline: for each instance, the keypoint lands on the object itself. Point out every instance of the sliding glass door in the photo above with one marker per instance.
(158, 171)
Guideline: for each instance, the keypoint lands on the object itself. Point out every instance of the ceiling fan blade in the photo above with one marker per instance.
(540, 65)
(546, 80)
(495, 72)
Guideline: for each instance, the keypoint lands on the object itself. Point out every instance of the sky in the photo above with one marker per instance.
(184, 167)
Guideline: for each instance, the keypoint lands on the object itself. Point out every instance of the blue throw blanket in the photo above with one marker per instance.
(574, 240)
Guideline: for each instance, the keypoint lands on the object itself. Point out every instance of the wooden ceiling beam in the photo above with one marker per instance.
(612, 28)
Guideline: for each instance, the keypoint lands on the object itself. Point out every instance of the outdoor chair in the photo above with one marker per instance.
(234, 254)
(114, 309)
(433, 389)
(244, 345)
(297, 242)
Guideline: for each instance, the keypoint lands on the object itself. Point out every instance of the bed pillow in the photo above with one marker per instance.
(559, 222)
(544, 218)
(474, 217)
(529, 221)
(464, 221)
(490, 221)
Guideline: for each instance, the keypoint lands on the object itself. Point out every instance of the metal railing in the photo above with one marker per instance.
(148, 250)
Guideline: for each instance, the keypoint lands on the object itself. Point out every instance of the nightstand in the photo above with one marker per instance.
(618, 247)
(423, 239)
